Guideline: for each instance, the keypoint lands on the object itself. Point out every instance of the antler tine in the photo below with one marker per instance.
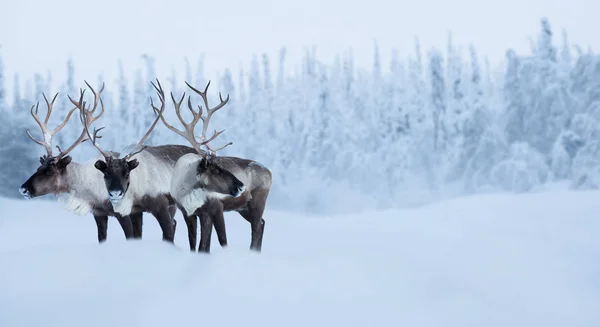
(47, 135)
(87, 118)
(177, 105)
(190, 107)
(158, 89)
(44, 132)
(59, 127)
(188, 134)
(169, 126)
(191, 126)
(97, 99)
(219, 149)
(161, 96)
(49, 107)
(209, 113)
(83, 136)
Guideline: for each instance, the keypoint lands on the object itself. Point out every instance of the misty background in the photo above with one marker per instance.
(339, 132)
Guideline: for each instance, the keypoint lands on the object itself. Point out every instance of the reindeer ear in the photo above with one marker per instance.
(100, 165)
(132, 164)
(63, 162)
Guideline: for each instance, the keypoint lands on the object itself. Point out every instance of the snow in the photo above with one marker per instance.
(487, 260)
(48, 139)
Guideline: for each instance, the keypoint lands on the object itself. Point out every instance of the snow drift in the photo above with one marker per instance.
(493, 260)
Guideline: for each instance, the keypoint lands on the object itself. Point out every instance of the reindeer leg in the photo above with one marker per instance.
(172, 212)
(165, 222)
(259, 230)
(125, 222)
(161, 210)
(256, 208)
(262, 232)
(102, 224)
(215, 210)
(192, 226)
(247, 215)
(206, 225)
(137, 222)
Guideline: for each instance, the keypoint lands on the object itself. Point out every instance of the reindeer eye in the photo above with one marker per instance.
(215, 171)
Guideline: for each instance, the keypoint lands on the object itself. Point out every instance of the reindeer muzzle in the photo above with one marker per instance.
(25, 192)
(115, 196)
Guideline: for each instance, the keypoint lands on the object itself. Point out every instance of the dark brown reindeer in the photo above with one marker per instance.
(139, 181)
(78, 185)
(201, 181)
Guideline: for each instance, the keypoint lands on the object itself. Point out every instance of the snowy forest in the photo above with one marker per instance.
(428, 124)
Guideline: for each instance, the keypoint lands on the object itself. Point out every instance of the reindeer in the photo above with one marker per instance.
(206, 185)
(78, 185)
(132, 190)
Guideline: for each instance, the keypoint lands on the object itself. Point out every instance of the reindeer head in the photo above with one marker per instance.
(50, 176)
(116, 176)
(212, 177)
(117, 170)
(216, 181)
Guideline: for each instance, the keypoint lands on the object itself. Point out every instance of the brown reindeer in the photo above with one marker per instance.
(139, 182)
(78, 185)
(197, 175)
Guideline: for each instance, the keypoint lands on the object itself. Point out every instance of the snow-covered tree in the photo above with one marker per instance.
(418, 124)
(3, 100)
(15, 144)
(438, 103)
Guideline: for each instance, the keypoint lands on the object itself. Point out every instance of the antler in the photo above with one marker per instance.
(87, 118)
(188, 134)
(209, 113)
(161, 96)
(47, 143)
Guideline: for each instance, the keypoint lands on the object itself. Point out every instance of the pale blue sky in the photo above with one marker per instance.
(37, 35)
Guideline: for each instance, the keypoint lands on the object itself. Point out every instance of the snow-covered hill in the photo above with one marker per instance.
(493, 260)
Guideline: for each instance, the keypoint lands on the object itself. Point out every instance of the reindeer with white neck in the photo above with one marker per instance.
(139, 182)
(78, 185)
(207, 185)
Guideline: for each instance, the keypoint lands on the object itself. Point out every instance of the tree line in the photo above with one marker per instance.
(339, 138)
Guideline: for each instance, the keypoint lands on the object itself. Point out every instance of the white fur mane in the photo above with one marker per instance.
(86, 188)
(150, 178)
(183, 181)
(220, 196)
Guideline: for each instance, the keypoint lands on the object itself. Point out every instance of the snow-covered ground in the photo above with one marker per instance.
(488, 260)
